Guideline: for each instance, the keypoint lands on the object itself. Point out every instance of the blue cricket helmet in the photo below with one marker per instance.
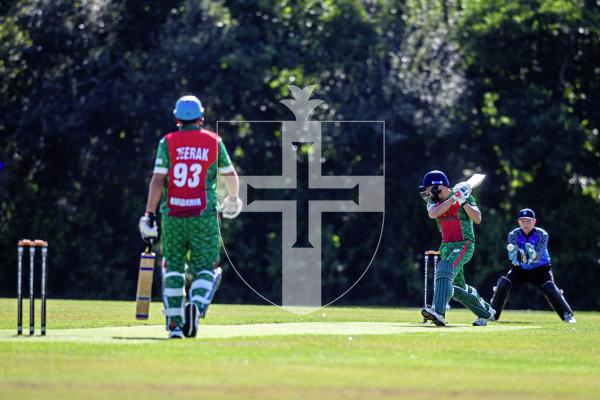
(433, 178)
(188, 108)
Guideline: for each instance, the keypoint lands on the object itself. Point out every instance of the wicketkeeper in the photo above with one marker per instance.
(454, 211)
(528, 253)
(185, 178)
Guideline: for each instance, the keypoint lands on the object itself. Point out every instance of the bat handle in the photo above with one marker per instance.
(149, 243)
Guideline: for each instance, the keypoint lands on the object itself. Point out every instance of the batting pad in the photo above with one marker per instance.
(443, 291)
(471, 299)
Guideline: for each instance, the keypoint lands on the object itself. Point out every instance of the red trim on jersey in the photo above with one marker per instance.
(191, 153)
(461, 255)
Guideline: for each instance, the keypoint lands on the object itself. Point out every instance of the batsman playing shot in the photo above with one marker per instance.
(454, 211)
(184, 181)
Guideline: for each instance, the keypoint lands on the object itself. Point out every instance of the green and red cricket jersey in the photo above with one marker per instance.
(455, 225)
(191, 158)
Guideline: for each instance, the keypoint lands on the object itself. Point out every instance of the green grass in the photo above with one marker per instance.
(550, 360)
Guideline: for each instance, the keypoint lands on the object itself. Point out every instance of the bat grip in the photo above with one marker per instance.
(149, 243)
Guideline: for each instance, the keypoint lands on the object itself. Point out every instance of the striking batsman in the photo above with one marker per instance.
(454, 211)
(528, 253)
(185, 177)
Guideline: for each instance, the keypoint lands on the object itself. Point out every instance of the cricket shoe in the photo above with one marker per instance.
(569, 319)
(176, 333)
(484, 321)
(429, 314)
(192, 320)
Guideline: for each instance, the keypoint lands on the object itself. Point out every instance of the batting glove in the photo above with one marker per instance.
(232, 207)
(461, 192)
(148, 227)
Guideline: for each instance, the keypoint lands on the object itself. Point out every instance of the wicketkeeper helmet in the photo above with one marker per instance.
(188, 108)
(433, 178)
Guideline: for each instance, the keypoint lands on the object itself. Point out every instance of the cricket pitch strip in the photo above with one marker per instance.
(145, 333)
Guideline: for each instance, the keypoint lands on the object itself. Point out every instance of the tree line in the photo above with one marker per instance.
(509, 89)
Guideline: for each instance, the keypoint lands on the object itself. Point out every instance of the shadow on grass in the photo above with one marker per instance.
(137, 338)
(512, 322)
(431, 325)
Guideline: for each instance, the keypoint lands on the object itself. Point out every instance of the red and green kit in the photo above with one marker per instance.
(191, 159)
(457, 248)
(458, 237)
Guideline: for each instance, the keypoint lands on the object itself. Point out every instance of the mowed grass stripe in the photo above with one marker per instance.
(74, 314)
(139, 334)
(321, 366)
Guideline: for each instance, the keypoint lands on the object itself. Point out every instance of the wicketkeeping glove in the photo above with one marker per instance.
(461, 192)
(531, 253)
(232, 207)
(513, 254)
(148, 227)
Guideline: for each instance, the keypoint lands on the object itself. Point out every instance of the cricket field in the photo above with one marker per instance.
(97, 350)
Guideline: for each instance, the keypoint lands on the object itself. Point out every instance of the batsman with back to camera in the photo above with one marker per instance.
(454, 210)
(184, 181)
(528, 253)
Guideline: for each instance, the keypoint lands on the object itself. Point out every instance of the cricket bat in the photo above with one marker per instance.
(475, 180)
(144, 285)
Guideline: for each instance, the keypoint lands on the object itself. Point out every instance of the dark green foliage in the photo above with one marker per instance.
(509, 88)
